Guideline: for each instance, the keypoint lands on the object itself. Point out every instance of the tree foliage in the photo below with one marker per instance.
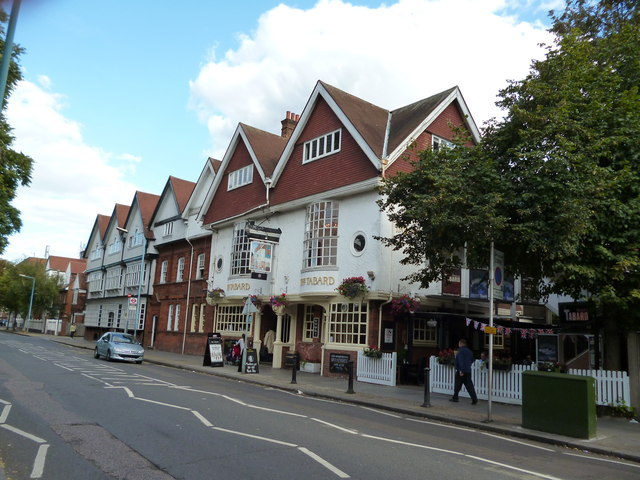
(556, 182)
(15, 291)
(15, 168)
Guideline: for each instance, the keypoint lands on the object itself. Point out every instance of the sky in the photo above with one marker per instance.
(119, 95)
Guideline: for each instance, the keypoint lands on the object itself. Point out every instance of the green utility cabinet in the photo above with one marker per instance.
(559, 403)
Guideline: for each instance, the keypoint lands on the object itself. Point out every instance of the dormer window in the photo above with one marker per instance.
(322, 146)
(168, 229)
(241, 177)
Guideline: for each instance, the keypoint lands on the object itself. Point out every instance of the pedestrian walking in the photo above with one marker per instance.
(72, 330)
(464, 360)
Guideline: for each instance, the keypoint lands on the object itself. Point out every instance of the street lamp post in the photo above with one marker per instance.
(33, 288)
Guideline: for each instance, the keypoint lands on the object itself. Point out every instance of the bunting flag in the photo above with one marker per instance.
(524, 332)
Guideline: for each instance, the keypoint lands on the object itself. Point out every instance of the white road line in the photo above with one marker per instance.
(409, 444)
(23, 433)
(382, 413)
(257, 437)
(5, 413)
(517, 441)
(342, 429)
(5, 402)
(324, 463)
(275, 411)
(200, 417)
(511, 467)
(38, 464)
(464, 429)
(619, 462)
(62, 366)
(161, 403)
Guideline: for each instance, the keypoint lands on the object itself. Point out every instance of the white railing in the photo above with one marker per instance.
(611, 387)
(377, 370)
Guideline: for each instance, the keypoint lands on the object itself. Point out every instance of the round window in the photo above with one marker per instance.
(219, 264)
(358, 243)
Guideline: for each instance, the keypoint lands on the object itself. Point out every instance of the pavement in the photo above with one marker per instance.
(617, 437)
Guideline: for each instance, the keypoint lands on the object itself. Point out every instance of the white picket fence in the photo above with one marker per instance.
(611, 387)
(377, 370)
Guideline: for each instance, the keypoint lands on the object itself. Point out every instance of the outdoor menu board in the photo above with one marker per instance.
(213, 356)
(338, 362)
(252, 361)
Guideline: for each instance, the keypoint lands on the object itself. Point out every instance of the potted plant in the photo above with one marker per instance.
(502, 363)
(447, 357)
(353, 287)
(372, 351)
(404, 304)
(215, 295)
(278, 303)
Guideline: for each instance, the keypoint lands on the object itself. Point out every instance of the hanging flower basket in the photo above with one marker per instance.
(352, 287)
(214, 296)
(404, 304)
(372, 351)
(500, 363)
(278, 303)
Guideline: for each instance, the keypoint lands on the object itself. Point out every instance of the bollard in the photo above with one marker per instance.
(350, 370)
(294, 369)
(427, 392)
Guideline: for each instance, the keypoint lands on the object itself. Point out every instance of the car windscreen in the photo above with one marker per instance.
(122, 339)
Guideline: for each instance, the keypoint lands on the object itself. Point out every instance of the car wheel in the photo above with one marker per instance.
(139, 362)
(96, 354)
(108, 355)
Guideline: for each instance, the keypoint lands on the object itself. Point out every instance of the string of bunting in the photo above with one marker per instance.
(524, 332)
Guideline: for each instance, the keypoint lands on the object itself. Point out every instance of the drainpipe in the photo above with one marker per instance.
(186, 313)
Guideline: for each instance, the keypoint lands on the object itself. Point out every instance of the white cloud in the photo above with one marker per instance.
(71, 182)
(391, 56)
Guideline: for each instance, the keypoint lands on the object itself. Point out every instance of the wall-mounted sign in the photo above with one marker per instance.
(261, 257)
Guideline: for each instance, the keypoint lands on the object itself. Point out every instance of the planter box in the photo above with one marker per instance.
(310, 367)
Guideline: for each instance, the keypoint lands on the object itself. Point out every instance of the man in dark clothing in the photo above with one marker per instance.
(464, 360)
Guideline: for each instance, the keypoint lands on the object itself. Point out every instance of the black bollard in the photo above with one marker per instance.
(427, 391)
(294, 369)
(350, 370)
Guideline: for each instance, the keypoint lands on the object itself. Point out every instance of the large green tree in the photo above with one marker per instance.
(555, 183)
(15, 168)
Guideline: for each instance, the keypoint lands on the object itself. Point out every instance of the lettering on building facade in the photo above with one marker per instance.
(317, 281)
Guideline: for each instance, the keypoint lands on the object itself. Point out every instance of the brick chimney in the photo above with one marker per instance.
(289, 124)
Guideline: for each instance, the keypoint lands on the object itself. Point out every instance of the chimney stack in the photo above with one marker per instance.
(289, 124)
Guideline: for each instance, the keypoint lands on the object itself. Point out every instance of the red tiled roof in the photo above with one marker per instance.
(182, 189)
(266, 146)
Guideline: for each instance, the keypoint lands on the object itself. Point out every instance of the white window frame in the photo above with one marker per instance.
(201, 318)
(438, 143)
(168, 229)
(348, 324)
(200, 269)
(307, 329)
(95, 281)
(135, 240)
(230, 319)
(498, 341)
(132, 277)
(115, 246)
(322, 146)
(194, 316)
(176, 321)
(170, 318)
(164, 269)
(180, 270)
(96, 253)
(114, 279)
(423, 334)
(321, 235)
(240, 251)
(239, 178)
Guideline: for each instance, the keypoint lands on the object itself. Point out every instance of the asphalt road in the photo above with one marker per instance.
(66, 415)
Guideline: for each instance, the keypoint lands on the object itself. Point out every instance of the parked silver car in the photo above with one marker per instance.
(119, 346)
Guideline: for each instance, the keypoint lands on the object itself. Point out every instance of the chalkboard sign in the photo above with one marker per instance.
(252, 361)
(338, 363)
(213, 351)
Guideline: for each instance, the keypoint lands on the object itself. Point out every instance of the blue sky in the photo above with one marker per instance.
(119, 95)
